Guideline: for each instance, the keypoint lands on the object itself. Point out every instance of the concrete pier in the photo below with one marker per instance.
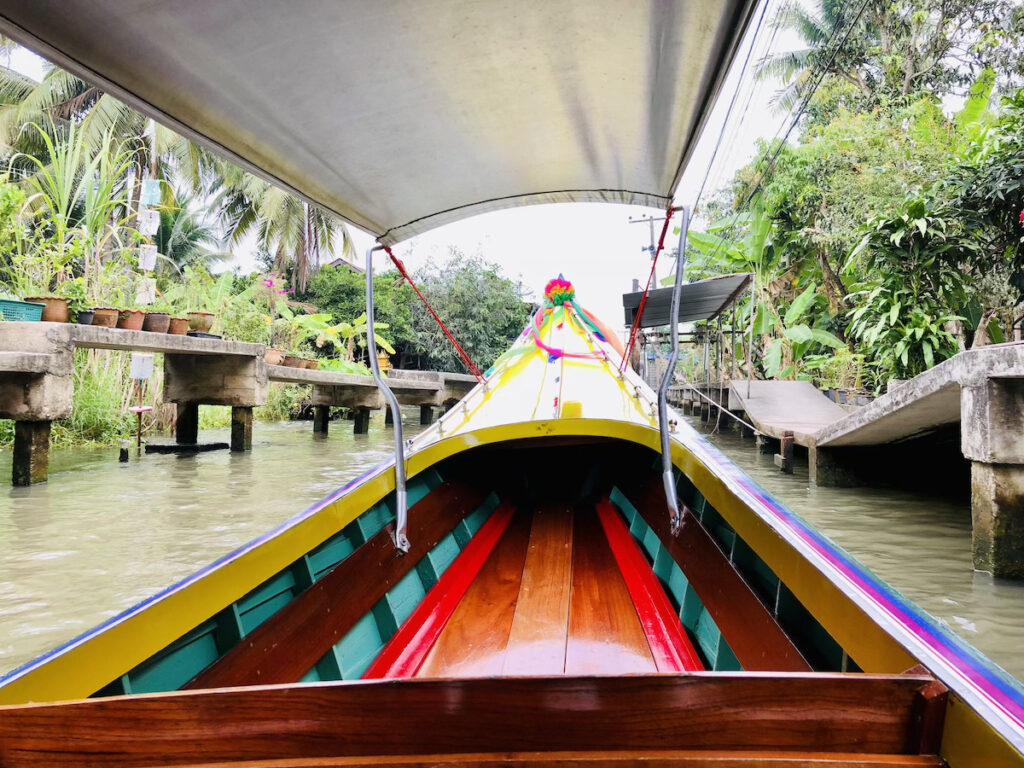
(186, 425)
(321, 419)
(31, 452)
(37, 367)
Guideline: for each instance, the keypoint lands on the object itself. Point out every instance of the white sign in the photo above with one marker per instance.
(146, 292)
(147, 257)
(149, 222)
(142, 366)
(150, 192)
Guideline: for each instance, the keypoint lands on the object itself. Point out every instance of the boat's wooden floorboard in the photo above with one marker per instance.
(717, 712)
(605, 636)
(540, 628)
(475, 639)
(653, 759)
(558, 606)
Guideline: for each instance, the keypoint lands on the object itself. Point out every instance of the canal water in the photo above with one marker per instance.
(920, 545)
(101, 535)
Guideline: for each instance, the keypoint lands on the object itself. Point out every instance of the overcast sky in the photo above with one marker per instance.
(592, 244)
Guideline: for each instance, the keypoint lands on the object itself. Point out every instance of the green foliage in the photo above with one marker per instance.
(340, 292)
(902, 314)
(484, 311)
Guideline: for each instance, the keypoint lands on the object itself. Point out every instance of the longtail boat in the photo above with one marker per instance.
(560, 571)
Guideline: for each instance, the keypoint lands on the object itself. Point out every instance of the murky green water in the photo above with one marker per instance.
(919, 545)
(101, 535)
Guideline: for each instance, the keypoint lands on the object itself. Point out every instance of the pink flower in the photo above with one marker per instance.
(1022, 217)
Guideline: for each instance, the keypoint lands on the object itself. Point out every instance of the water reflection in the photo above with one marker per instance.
(919, 545)
(101, 535)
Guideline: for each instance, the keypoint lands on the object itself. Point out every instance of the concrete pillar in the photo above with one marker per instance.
(31, 452)
(241, 428)
(784, 458)
(186, 430)
(361, 422)
(827, 468)
(389, 417)
(321, 419)
(426, 414)
(992, 438)
(997, 514)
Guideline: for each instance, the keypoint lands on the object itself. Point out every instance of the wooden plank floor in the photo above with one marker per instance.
(550, 600)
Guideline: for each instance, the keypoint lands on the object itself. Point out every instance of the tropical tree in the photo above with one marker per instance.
(185, 238)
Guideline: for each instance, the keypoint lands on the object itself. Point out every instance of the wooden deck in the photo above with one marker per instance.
(552, 598)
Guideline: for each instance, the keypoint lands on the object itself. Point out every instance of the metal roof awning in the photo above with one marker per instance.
(702, 300)
(401, 116)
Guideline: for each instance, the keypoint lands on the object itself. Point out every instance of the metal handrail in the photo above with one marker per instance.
(668, 470)
(401, 497)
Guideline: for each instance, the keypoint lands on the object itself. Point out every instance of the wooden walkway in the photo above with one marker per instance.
(777, 406)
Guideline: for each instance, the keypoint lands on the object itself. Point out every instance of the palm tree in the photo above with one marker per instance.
(292, 231)
(817, 28)
(184, 238)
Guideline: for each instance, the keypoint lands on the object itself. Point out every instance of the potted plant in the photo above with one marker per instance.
(158, 318)
(55, 308)
(294, 361)
(105, 317)
(178, 326)
(78, 306)
(130, 319)
(274, 356)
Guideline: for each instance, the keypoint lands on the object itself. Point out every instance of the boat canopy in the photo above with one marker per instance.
(402, 116)
(699, 300)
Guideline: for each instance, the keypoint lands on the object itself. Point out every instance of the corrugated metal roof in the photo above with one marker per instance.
(701, 300)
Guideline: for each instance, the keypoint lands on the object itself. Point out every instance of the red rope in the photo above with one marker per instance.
(458, 347)
(643, 299)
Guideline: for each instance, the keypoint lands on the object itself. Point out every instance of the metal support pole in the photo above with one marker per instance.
(667, 470)
(401, 499)
(750, 346)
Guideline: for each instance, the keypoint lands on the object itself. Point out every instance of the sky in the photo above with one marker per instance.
(593, 245)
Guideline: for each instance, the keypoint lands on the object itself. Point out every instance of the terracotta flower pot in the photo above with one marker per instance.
(131, 319)
(156, 322)
(105, 316)
(293, 361)
(200, 321)
(274, 356)
(55, 308)
(311, 364)
(178, 326)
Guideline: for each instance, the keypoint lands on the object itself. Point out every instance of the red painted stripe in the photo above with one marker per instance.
(672, 649)
(405, 652)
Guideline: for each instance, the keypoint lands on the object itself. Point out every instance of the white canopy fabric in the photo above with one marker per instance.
(402, 115)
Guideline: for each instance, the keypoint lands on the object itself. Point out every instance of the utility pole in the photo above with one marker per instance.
(653, 247)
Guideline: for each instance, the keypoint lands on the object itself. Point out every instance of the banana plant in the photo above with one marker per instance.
(795, 339)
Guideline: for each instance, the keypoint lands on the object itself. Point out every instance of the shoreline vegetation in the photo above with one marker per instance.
(885, 236)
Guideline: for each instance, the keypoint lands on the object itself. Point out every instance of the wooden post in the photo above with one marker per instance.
(784, 458)
(241, 428)
(389, 418)
(31, 452)
(426, 414)
(321, 419)
(186, 430)
(361, 422)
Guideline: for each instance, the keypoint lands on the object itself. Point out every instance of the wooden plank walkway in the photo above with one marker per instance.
(777, 406)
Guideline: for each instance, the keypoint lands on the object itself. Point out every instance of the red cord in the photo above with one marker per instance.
(458, 347)
(643, 299)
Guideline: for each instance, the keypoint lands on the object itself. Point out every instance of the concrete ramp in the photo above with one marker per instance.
(777, 406)
(925, 402)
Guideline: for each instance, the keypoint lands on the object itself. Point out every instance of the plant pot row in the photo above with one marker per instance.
(280, 357)
(55, 310)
